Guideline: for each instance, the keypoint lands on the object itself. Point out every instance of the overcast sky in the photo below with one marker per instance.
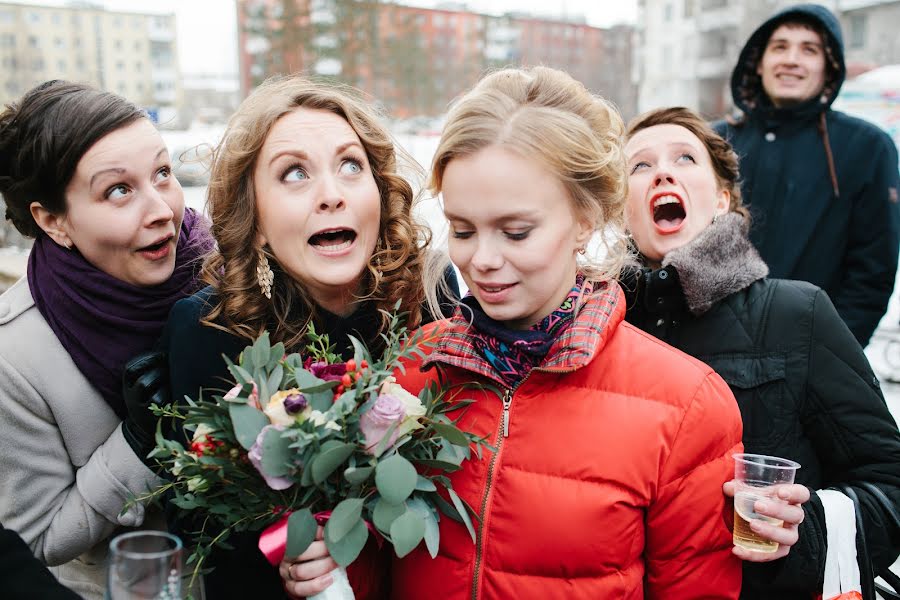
(206, 28)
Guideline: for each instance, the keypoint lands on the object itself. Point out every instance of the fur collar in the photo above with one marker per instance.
(717, 263)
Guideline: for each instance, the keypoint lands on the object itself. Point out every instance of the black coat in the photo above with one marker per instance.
(843, 239)
(195, 361)
(802, 382)
(24, 577)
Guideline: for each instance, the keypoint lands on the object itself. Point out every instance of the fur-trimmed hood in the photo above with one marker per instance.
(717, 263)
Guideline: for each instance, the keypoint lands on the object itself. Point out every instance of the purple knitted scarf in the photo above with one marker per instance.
(102, 321)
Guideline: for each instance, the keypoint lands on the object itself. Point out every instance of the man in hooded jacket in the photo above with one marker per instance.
(821, 185)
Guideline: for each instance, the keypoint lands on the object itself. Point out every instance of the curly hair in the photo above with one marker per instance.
(545, 115)
(722, 155)
(42, 139)
(394, 271)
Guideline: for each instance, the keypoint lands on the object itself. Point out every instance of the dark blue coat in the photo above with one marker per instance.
(842, 238)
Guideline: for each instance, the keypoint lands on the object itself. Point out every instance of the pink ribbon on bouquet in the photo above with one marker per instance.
(273, 539)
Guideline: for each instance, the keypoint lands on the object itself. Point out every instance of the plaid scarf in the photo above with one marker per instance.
(513, 353)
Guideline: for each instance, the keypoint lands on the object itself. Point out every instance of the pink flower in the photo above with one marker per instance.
(236, 391)
(255, 455)
(327, 372)
(374, 423)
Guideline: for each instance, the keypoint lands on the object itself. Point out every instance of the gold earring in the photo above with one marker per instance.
(264, 275)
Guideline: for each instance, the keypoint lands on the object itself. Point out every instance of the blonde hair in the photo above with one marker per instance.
(545, 115)
(395, 269)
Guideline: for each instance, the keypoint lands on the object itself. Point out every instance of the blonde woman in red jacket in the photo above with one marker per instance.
(611, 447)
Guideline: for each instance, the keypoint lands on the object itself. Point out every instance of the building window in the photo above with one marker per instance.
(56, 18)
(118, 44)
(667, 12)
(33, 41)
(75, 19)
(122, 88)
(59, 42)
(7, 40)
(76, 42)
(138, 66)
(857, 31)
(61, 66)
(12, 87)
(7, 16)
(120, 66)
(37, 64)
(137, 46)
(34, 17)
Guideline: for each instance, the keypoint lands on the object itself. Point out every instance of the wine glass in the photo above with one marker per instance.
(144, 565)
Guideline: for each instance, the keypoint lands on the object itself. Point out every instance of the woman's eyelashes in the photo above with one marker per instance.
(350, 165)
(512, 235)
(686, 155)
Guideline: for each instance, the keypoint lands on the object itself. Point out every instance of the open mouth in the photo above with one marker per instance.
(156, 247)
(333, 240)
(668, 212)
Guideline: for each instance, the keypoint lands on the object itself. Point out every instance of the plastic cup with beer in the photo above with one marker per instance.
(758, 477)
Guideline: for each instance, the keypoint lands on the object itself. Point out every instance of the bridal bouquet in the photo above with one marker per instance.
(305, 439)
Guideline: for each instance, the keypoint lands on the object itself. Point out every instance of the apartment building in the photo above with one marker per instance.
(131, 54)
(416, 60)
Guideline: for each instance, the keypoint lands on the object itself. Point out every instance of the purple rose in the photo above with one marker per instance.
(327, 372)
(374, 424)
(255, 456)
(295, 403)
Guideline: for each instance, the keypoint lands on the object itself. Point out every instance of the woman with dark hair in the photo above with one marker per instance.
(314, 225)
(87, 175)
(803, 385)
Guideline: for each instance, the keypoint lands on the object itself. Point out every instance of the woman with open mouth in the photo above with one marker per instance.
(314, 226)
(87, 175)
(803, 385)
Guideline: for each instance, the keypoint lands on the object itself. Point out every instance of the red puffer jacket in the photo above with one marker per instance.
(606, 482)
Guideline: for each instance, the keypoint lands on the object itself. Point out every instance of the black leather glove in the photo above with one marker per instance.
(145, 381)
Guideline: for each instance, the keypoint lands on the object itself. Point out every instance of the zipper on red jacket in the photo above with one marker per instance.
(502, 432)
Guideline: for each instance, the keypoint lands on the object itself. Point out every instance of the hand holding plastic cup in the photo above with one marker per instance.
(758, 477)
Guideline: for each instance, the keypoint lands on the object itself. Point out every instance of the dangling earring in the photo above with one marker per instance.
(715, 218)
(264, 275)
(582, 250)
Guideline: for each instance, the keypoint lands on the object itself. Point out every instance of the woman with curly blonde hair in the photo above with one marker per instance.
(604, 481)
(314, 227)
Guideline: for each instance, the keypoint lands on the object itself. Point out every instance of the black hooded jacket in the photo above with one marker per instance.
(803, 385)
(821, 185)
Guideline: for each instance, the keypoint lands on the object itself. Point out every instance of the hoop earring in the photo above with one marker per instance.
(264, 275)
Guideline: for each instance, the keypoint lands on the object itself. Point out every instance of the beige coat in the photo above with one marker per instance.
(66, 471)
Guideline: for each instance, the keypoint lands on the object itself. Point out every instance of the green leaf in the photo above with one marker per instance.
(451, 453)
(274, 380)
(276, 453)
(423, 484)
(463, 512)
(438, 464)
(357, 475)
(345, 550)
(395, 478)
(241, 374)
(259, 354)
(301, 532)
(247, 421)
(359, 350)
(385, 513)
(382, 444)
(406, 532)
(327, 461)
(432, 530)
(276, 353)
(344, 518)
(451, 434)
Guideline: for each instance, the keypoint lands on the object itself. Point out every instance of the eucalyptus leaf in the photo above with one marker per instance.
(439, 464)
(273, 382)
(276, 353)
(432, 530)
(385, 513)
(347, 549)
(327, 461)
(276, 453)
(241, 374)
(359, 350)
(343, 518)
(301, 532)
(423, 484)
(462, 511)
(248, 422)
(395, 478)
(259, 354)
(406, 532)
(451, 434)
(357, 475)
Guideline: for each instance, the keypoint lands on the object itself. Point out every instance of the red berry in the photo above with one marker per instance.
(351, 365)
(346, 380)
(357, 376)
(363, 364)
(339, 389)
